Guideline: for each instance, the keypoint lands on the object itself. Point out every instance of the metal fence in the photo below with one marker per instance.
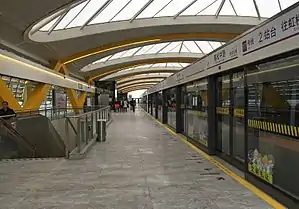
(82, 129)
(55, 113)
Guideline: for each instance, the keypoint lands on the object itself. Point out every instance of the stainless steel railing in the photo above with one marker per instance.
(82, 129)
(55, 113)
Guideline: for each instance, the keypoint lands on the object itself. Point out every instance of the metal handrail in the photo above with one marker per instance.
(8, 116)
(14, 133)
(88, 113)
(85, 128)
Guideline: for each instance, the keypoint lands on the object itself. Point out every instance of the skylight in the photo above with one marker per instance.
(104, 11)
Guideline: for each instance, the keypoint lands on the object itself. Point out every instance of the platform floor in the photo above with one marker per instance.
(141, 166)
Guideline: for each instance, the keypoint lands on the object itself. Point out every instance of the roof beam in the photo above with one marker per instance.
(141, 10)
(140, 80)
(220, 8)
(206, 7)
(101, 9)
(279, 5)
(231, 3)
(163, 8)
(257, 9)
(184, 9)
(53, 17)
(138, 84)
(77, 14)
(120, 10)
(136, 88)
(57, 22)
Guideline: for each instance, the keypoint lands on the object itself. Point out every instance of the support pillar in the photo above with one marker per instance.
(212, 119)
(151, 104)
(179, 118)
(156, 105)
(113, 88)
(164, 107)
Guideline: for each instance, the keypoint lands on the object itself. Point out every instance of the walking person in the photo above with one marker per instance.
(126, 105)
(121, 105)
(133, 104)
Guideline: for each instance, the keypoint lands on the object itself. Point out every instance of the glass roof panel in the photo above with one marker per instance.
(130, 10)
(49, 25)
(210, 9)
(167, 47)
(130, 52)
(173, 65)
(286, 3)
(268, 8)
(173, 8)
(153, 8)
(144, 49)
(70, 16)
(156, 48)
(192, 46)
(198, 6)
(227, 8)
(144, 66)
(91, 8)
(110, 12)
(170, 47)
(176, 49)
(159, 65)
(184, 64)
(117, 55)
(185, 49)
(215, 44)
(244, 8)
(204, 46)
(102, 60)
(119, 10)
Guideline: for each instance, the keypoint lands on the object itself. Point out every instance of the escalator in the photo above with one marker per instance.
(12, 144)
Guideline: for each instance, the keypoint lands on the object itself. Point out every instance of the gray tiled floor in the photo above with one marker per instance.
(140, 166)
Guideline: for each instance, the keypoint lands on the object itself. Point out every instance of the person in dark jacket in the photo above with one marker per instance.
(5, 112)
(133, 104)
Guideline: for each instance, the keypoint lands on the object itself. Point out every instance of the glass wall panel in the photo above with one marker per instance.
(154, 104)
(150, 104)
(196, 111)
(160, 105)
(183, 107)
(238, 102)
(171, 107)
(273, 119)
(223, 101)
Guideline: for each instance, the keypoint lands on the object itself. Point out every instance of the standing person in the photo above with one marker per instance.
(6, 112)
(125, 105)
(116, 106)
(133, 104)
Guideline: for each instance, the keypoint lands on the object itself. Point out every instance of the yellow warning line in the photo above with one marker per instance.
(235, 176)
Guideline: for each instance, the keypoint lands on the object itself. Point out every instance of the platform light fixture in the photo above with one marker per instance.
(58, 75)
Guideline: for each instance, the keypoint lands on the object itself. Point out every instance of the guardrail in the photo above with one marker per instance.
(84, 127)
(53, 113)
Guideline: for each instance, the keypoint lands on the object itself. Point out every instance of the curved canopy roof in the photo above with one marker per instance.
(200, 47)
(123, 38)
(163, 67)
(90, 12)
